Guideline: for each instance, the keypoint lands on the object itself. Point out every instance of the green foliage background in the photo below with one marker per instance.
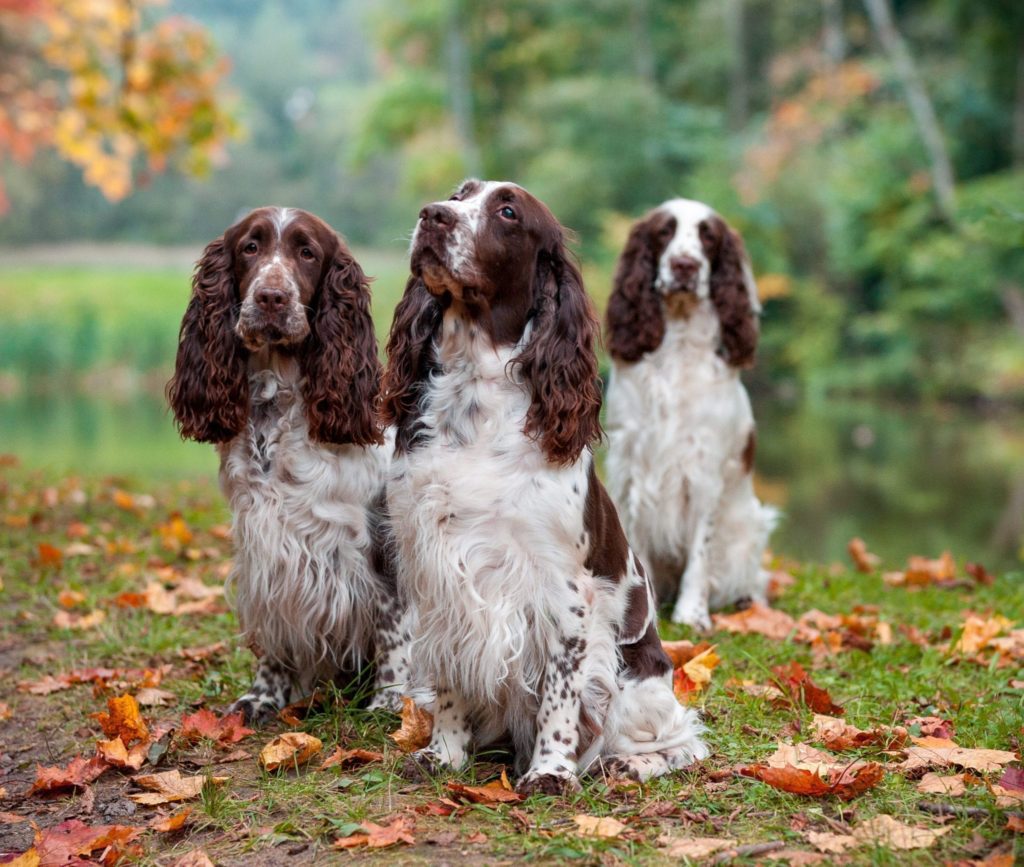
(361, 111)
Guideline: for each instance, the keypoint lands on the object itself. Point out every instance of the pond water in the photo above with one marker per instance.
(909, 481)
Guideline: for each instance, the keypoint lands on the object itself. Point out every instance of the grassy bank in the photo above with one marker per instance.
(72, 547)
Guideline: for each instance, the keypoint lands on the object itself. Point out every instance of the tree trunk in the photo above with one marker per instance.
(739, 87)
(640, 19)
(832, 25)
(460, 87)
(920, 104)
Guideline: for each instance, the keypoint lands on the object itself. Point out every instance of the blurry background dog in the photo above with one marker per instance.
(682, 322)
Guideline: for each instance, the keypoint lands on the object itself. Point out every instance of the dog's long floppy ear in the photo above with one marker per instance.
(209, 392)
(341, 371)
(635, 320)
(733, 291)
(417, 319)
(560, 362)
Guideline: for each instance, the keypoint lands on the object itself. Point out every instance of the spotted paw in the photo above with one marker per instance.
(387, 699)
(547, 784)
(621, 768)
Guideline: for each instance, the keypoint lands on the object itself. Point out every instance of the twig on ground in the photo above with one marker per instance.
(956, 810)
(751, 849)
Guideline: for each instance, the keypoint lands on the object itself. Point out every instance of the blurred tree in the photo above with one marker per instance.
(113, 93)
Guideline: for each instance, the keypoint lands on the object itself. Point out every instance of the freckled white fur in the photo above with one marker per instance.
(678, 422)
(490, 535)
(302, 581)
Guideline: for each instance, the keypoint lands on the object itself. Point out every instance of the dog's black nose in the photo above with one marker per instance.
(438, 215)
(684, 267)
(270, 300)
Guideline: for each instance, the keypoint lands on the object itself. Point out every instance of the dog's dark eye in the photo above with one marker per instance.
(250, 248)
(508, 213)
(307, 254)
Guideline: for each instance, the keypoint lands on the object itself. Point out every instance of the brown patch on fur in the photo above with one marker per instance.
(608, 546)
(635, 320)
(646, 657)
(749, 450)
(637, 612)
(729, 291)
(679, 305)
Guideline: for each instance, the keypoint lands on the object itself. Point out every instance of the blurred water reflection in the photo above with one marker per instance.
(909, 481)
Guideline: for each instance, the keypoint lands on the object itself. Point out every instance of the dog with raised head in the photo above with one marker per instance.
(682, 322)
(534, 621)
(277, 365)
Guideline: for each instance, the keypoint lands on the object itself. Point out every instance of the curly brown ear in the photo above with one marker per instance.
(732, 292)
(635, 320)
(341, 371)
(209, 392)
(560, 363)
(417, 318)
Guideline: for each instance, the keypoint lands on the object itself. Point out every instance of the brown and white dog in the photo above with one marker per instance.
(681, 323)
(535, 621)
(277, 364)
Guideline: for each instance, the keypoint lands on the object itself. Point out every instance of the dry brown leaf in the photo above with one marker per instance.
(122, 719)
(863, 559)
(290, 749)
(598, 826)
(979, 633)
(44, 686)
(115, 753)
(351, 757)
(78, 773)
(758, 690)
(195, 858)
(498, 791)
(417, 726)
(694, 847)
(884, 830)
(151, 696)
(169, 787)
(941, 752)
(856, 779)
(831, 844)
(681, 652)
(839, 735)
(67, 620)
(5, 711)
(174, 822)
(49, 555)
(953, 785)
(380, 836)
(69, 840)
(204, 724)
(70, 598)
(757, 618)
(802, 690)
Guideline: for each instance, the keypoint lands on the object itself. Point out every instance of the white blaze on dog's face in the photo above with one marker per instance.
(684, 264)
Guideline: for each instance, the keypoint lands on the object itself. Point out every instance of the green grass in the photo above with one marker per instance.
(261, 816)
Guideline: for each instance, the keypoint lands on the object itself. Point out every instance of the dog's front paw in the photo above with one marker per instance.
(386, 699)
(540, 783)
(696, 617)
(421, 766)
(256, 711)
